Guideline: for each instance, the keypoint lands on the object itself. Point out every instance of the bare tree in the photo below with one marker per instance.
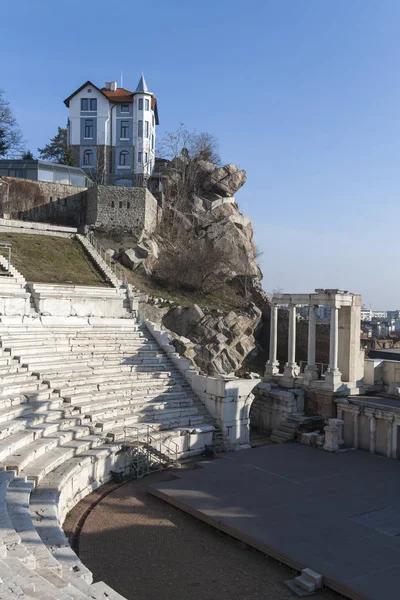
(193, 264)
(10, 134)
(193, 145)
(191, 156)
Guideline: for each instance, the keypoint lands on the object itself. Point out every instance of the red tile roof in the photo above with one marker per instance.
(120, 95)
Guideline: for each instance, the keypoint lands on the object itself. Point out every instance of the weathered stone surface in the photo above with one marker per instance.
(225, 181)
(218, 343)
(131, 259)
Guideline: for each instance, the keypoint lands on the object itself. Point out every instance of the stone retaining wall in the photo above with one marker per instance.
(40, 200)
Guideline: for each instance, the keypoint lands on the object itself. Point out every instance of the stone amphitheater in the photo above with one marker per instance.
(79, 395)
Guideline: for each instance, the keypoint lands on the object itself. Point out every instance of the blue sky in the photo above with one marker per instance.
(303, 94)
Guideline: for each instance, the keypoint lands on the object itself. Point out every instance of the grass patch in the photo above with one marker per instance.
(51, 259)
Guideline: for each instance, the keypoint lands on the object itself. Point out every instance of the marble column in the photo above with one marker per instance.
(291, 368)
(311, 371)
(272, 367)
(333, 376)
(372, 435)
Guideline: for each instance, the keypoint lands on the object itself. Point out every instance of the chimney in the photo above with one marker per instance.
(111, 85)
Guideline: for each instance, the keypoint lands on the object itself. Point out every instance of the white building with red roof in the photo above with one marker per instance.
(112, 132)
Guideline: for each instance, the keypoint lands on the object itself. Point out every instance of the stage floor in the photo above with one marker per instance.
(336, 513)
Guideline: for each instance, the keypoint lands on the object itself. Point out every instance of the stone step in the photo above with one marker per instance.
(65, 375)
(125, 390)
(39, 467)
(288, 428)
(305, 584)
(146, 414)
(108, 425)
(8, 535)
(18, 511)
(283, 434)
(25, 584)
(35, 449)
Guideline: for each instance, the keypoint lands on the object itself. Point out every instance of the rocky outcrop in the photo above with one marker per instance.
(216, 343)
(225, 181)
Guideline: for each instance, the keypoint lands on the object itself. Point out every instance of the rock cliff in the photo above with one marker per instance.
(205, 246)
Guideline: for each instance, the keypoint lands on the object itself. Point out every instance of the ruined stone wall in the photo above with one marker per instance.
(123, 209)
(41, 200)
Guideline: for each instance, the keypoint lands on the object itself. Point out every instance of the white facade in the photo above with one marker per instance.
(112, 131)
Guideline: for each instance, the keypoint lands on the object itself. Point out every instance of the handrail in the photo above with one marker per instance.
(111, 263)
(142, 435)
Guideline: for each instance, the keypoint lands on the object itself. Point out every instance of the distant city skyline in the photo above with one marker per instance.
(303, 95)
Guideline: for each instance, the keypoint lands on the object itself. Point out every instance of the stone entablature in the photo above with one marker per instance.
(345, 370)
(371, 426)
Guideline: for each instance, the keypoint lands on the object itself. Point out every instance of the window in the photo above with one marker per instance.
(88, 128)
(140, 103)
(139, 157)
(120, 204)
(88, 103)
(147, 104)
(152, 142)
(153, 120)
(147, 128)
(88, 158)
(140, 128)
(123, 158)
(125, 108)
(128, 205)
(145, 158)
(124, 129)
(112, 204)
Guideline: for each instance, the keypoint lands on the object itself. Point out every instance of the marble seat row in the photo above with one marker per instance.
(72, 396)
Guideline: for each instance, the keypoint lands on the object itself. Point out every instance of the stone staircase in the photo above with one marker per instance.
(113, 273)
(287, 431)
(71, 394)
(99, 261)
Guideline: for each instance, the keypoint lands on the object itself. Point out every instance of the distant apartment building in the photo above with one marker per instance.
(112, 132)
(367, 314)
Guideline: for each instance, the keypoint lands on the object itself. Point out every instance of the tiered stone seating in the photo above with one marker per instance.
(68, 392)
(14, 299)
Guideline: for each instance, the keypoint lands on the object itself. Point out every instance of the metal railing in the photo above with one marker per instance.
(149, 451)
(112, 264)
(5, 251)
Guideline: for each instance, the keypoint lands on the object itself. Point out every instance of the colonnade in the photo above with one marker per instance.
(291, 367)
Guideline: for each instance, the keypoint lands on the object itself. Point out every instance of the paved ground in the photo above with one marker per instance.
(147, 549)
(337, 513)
